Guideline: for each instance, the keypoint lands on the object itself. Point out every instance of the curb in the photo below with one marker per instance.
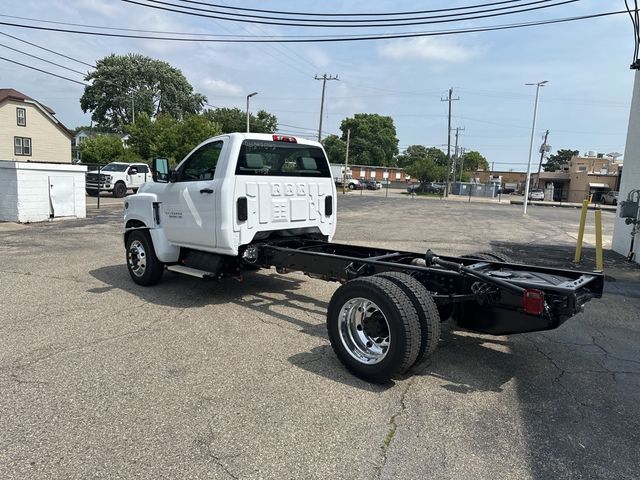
(607, 208)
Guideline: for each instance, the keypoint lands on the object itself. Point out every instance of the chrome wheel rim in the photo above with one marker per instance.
(364, 331)
(137, 258)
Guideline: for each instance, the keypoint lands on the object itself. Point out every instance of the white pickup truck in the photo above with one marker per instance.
(117, 178)
(248, 201)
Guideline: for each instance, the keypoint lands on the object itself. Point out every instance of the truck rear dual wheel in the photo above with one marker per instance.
(426, 308)
(143, 265)
(374, 328)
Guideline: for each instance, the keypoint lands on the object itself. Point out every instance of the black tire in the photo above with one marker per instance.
(119, 190)
(389, 305)
(144, 267)
(490, 256)
(92, 192)
(426, 308)
(351, 186)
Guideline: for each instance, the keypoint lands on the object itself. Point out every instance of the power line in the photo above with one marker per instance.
(193, 11)
(46, 49)
(380, 22)
(44, 71)
(326, 39)
(43, 59)
(375, 14)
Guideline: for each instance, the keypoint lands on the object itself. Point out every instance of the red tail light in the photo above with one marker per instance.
(533, 301)
(284, 138)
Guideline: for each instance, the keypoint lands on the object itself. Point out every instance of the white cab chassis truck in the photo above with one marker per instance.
(242, 202)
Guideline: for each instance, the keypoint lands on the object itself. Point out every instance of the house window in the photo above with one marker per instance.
(582, 168)
(21, 117)
(22, 146)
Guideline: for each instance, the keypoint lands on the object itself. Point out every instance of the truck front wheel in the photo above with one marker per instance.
(119, 190)
(143, 265)
(373, 328)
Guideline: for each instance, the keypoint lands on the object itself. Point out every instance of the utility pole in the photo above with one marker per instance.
(533, 131)
(543, 150)
(324, 79)
(346, 162)
(462, 151)
(449, 99)
(133, 110)
(455, 155)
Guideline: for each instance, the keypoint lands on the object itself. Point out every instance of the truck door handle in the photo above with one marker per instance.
(206, 190)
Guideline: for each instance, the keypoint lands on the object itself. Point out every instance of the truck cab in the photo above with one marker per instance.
(233, 190)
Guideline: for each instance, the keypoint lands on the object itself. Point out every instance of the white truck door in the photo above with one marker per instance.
(136, 179)
(189, 204)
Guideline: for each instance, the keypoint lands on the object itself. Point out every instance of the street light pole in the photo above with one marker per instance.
(533, 131)
(248, 97)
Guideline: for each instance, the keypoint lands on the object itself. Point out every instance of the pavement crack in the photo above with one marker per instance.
(217, 459)
(558, 378)
(393, 425)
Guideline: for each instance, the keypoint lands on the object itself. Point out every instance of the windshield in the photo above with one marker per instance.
(114, 167)
(259, 157)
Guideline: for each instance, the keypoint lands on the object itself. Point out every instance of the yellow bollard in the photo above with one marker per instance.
(599, 260)
(583, 220)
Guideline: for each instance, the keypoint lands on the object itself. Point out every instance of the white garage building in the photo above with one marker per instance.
(36, 192)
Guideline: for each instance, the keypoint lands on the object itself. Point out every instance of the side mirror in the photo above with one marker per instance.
(160, 170)
(133, 171)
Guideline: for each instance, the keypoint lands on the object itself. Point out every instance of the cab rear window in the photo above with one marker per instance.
(258, 157)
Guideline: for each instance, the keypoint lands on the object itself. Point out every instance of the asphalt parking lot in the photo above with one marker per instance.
(101, 378)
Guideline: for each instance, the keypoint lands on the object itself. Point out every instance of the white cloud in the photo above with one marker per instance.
(101, 7)
(211, 86)
(428, 48)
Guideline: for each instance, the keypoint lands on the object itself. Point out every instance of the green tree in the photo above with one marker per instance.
(425, 169)
(191, 131)
(168, 137)
(557, 161)
(335, 149)
(472, 161)
(122, 84)
(235, 120)
(101, 149)
(417, 152)
(141, 135)
(373, 139)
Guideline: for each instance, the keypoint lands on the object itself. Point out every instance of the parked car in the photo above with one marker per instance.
(536, 194)
(430, 187)
(610, 198)
(372, 185)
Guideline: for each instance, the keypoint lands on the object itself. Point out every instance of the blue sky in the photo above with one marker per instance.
(585, 105)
